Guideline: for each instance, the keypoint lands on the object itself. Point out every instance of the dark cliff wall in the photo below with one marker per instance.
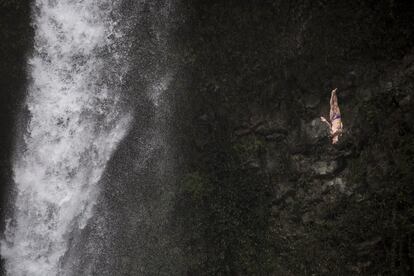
(263, 191)
(16, 36)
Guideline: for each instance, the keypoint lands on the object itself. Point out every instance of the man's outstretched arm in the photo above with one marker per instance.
(326, 122)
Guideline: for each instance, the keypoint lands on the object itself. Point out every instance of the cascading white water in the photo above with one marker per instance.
(76, 121)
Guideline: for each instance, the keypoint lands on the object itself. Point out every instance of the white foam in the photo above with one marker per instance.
(76, 123)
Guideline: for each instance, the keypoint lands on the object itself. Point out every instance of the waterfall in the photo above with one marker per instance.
(76, 119)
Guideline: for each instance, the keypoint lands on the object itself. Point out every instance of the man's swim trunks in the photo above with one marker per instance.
(336, 116)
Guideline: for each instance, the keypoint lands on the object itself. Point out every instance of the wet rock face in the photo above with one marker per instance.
(324, 167)
(265, 73)
(16, 34)
(316, 130)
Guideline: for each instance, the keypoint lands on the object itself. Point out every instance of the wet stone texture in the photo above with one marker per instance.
(264, 192)
(16, 34)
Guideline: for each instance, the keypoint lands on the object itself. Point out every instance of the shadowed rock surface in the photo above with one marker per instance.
(16, 35)
(264, 192)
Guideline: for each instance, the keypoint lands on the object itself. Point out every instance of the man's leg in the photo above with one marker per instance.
(334, 105)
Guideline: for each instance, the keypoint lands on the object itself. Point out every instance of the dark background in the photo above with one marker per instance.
(16, 39)
(260, 190)
(263, 191)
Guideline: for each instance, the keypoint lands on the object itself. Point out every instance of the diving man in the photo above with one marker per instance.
(336, 127)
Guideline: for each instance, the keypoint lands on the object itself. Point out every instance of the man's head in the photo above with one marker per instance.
(336, 135)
